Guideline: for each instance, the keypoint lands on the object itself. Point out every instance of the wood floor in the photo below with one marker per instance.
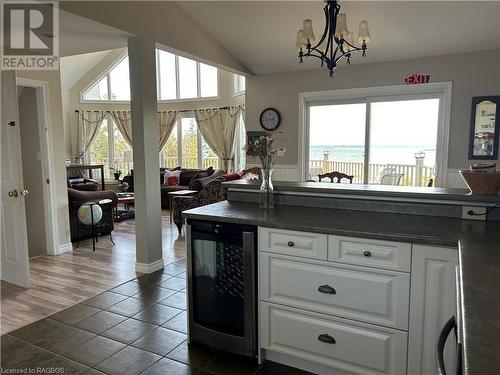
(64, 280)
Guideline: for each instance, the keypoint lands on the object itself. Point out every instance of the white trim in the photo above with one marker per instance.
(65, 248)
(149, 267)
(47, 161)
(442, 89)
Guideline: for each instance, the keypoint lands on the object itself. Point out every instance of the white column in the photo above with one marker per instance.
(145, 138)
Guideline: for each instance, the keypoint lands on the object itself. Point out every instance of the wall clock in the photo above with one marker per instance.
(270, 119)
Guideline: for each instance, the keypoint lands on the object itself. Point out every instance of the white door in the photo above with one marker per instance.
(15, 259)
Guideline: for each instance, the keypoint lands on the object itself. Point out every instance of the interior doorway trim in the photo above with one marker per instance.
(47, 161)
(442, 90)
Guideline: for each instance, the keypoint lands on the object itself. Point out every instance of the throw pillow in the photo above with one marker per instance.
(171, 178)
(231, 176)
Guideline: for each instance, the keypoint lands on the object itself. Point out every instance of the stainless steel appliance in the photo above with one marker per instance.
(222, 286)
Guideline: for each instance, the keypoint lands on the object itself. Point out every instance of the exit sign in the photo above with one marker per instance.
(415, 79)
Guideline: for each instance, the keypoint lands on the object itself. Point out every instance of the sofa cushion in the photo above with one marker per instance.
(171, 178)
(188, 174)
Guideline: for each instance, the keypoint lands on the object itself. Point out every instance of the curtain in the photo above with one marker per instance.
(123, 122)
(88, 124)
(218, 129)
(166, 121)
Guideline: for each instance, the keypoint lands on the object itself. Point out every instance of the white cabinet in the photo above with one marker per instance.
(432, 303)
(345, 345)
(383, 303)
(372, 295)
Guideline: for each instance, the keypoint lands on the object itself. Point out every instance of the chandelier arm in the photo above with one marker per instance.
(325, 32)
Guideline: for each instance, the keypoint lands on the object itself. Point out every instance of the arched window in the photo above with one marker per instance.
(177, 78)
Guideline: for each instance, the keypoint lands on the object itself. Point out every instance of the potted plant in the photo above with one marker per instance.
(116, 171)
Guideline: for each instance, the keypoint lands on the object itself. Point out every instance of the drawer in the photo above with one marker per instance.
(301, 244)
(372, 295)
(372, 253)
(348, 346)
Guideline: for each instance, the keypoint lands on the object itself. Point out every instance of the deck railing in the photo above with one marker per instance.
(412, 175)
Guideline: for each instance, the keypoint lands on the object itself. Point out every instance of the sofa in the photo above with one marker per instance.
(76, 197)
(189, 179)
(82, 183)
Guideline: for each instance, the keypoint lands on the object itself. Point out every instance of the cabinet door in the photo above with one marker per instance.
(432, 303)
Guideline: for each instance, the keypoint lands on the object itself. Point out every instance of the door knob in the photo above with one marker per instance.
(13, 193)
(25, 192)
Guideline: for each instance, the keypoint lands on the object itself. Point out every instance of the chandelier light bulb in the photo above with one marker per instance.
(308, 30)
(364, 33)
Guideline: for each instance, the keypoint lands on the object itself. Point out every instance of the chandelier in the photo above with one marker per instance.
(336, 42)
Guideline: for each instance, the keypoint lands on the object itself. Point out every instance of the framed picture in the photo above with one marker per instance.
(251, 138)
(484, 128)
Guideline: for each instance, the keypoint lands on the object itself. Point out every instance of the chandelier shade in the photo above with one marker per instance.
(336, 42)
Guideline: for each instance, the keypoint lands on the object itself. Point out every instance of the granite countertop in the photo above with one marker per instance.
(479, 257)
(386, 191)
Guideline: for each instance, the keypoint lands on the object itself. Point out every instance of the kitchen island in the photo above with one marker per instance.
(478, 243)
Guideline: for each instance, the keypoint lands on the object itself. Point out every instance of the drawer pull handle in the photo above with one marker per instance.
(291, 243)
(327, 289)
(326, 338)
(367, 253)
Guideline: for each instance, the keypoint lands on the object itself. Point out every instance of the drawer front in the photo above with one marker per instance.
(289, 242)
(371, 295)
(372, 253)
(345, 345)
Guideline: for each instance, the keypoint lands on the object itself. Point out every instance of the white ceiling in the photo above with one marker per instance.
(261, 34)
(73, 68)
(80, 35)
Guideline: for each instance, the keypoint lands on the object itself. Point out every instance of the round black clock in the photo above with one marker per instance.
(270, 119)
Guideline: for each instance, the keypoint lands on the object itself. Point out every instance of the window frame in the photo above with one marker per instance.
(440, 90)
(107, 71)
(199, 146)
(237, 92)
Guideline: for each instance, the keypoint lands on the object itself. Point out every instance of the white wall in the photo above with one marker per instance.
(472, 74)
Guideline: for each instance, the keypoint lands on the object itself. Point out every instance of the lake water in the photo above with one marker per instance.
(379, 154)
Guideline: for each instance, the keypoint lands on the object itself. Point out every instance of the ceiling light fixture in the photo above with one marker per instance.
(336, 42)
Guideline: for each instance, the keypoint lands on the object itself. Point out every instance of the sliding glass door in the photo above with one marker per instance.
(388, 141)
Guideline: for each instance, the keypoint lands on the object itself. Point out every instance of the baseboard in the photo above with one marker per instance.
(149, 267)
(65, 248)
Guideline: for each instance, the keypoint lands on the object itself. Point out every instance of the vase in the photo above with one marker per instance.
(266, 189)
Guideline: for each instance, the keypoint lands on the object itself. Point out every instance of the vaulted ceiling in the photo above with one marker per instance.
(261, 34)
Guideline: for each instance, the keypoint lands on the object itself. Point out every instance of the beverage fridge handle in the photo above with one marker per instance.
(249, 291)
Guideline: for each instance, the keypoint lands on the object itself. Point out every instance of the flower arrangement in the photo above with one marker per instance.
(116, 171)
(262, 147)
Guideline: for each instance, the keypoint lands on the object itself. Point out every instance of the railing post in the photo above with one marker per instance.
(419, 164)
(326, 153)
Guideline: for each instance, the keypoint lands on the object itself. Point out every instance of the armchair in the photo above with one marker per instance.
(212, 192)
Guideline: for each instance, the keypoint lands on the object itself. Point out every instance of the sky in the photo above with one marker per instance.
(402, 123)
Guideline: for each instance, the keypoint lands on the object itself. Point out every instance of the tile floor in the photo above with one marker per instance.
(136, 327)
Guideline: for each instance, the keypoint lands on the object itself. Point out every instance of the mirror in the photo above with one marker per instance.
(483, 143)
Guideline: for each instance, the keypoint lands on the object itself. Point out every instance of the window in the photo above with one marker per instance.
(177, 78)
(187, 145)
(111, 149)
(238, 84)
(402, 135)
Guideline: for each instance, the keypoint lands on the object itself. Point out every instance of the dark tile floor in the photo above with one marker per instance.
(137, 327)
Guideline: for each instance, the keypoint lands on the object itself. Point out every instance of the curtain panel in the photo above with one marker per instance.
(124, 124)
(166, 121)
(88, 124)
(218, 128)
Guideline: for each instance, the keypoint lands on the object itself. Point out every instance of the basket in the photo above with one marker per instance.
(482, 183)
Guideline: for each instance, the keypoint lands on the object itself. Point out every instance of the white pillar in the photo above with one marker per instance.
(145, 139)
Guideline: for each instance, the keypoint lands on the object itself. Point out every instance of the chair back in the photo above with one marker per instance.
(336, 177)
(212, 192)
(391, 179)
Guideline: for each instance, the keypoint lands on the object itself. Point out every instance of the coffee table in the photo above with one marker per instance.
(126, 199)
(178, 193)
